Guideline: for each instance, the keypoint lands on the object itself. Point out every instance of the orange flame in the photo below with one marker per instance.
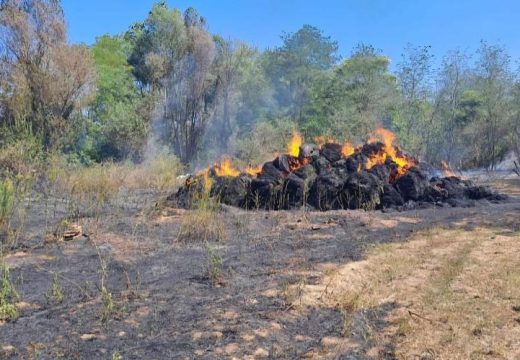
(376, 159)
(322, 140)
(446, 170)
(225, 168)
(207, 180)
(347, 149)
(253, 171)
(293, 148)
(390, 151)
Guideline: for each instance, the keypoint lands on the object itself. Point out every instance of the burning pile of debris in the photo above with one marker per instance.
(376, 175)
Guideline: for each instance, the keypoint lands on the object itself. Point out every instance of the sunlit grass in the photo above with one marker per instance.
(454, 291)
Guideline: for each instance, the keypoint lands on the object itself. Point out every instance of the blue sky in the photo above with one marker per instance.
(387, 24)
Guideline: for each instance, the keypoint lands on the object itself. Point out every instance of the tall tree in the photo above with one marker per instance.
(414, 78)
(450, 118)
(255, 94)
(360, 95)
(515, 121)
(173, 57)
(44, 79)
(293, 67)
(119, 110)
(357, 98)
(159, 43)
(230, 63)
(494, 83)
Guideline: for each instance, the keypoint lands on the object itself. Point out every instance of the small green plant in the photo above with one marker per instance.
(108, 304)
(56, 292)
(87, 287)
(7, 194)
(117, 356)
(106, 296)
(7, 295)
(214, 264)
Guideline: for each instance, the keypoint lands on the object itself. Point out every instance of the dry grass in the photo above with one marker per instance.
(457, 294)
(203, 223)
(100, 183)
(13, 207)
(18, 157)
(509, 186)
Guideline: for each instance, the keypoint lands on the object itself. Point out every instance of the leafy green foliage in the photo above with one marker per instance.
(119, 126)
(108, 305)
(414, 76)
(45, 80)
(355, 99)
(8, 295)
(292, 68)
(174, 59)
(158, 43)
(7, 195)
(266, 138)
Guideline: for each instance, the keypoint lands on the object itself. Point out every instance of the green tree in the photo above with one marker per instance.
(356, 98)
(256, 99)
(296, 65)
(453, 107)
(468, 118)
(515, 121)
(413, 117)
(158, 44)
(120, 119)
(494, 82)
(231, 61)
(173, 58)
(44, 80)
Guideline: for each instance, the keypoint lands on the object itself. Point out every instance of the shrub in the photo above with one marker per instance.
(202, 224)
(266, 139)
(20, 156)
(101, 182)
(7, 195)
(7, 295)
(13, 208)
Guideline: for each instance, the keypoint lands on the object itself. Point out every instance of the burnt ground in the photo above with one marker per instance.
(165, 306)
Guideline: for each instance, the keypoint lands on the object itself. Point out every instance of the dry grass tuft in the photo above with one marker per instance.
(160, 173)
(203, 223)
